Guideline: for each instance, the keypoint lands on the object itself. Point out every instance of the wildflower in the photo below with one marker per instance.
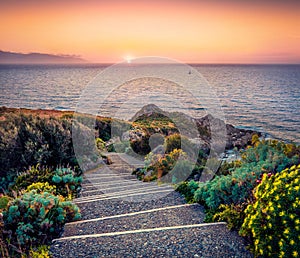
(269, 225)
(281, 214)
(295, 254)
(286, 231)
(292, 216)
(292, 242)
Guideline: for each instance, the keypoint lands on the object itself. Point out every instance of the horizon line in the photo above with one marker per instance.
(131, 64)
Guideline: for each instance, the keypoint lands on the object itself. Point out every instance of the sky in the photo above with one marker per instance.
(214, 31)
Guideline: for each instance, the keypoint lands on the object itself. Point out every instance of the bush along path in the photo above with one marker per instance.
(124, 217)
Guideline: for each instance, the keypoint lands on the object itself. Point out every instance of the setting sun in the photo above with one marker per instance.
(128, 58)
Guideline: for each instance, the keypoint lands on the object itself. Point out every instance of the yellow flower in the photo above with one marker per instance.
(297, 221)
(292, 216)
(280, 243)
(277, 197)
(286, 231)
(269, 225)
(292, 242)
(256, 242)
(295, 254)
(271, 209)
(281, 214)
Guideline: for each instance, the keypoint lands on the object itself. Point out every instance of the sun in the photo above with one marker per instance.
(128, 59)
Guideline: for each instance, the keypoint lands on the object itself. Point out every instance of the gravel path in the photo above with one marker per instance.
(144, 224)
(213, 241)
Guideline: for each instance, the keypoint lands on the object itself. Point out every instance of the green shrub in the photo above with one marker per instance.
(4, 200)
(42, 187)
(232, 214)
(100, 144)
(236, 188)
(34, 140)
(187, 189)
(37, 218)
(272, 221)
(40, 252)
(177, 141)
(66, 181)
(33, 175)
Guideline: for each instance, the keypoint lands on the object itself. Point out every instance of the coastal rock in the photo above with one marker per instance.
(209, 129)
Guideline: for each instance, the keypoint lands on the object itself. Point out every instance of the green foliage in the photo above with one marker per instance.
(66, 181)
(100, 144)
(33, 175)
(187, 189)
(226, 168)
(37, 218)
(41, 251)
(272, 221)
(173, 167)
(27, 141)
(177, 141)
(42, 187)
(230, 213)
(236, 188)
(3, 202)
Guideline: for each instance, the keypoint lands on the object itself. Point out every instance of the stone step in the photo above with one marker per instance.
(117, 191)
(108, 179)
(110, 207)
(117, 183)
(195, 240)
(160, 217)
(138, 196)
(118, 188)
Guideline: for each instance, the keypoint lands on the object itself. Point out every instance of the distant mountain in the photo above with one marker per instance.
(37, 58)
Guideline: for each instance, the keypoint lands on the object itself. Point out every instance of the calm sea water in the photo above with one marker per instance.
(261, 97)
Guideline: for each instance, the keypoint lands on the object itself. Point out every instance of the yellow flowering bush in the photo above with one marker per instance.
(273, 220)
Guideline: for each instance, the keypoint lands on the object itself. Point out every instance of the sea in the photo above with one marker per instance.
(265, 98)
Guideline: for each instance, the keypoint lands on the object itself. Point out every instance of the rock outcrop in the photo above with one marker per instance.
(209, 129)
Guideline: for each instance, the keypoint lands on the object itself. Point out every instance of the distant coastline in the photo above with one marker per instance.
(37, 58)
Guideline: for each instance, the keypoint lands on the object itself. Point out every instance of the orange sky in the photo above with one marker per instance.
(188, 30)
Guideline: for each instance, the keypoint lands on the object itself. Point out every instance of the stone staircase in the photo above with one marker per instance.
(123, 217)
